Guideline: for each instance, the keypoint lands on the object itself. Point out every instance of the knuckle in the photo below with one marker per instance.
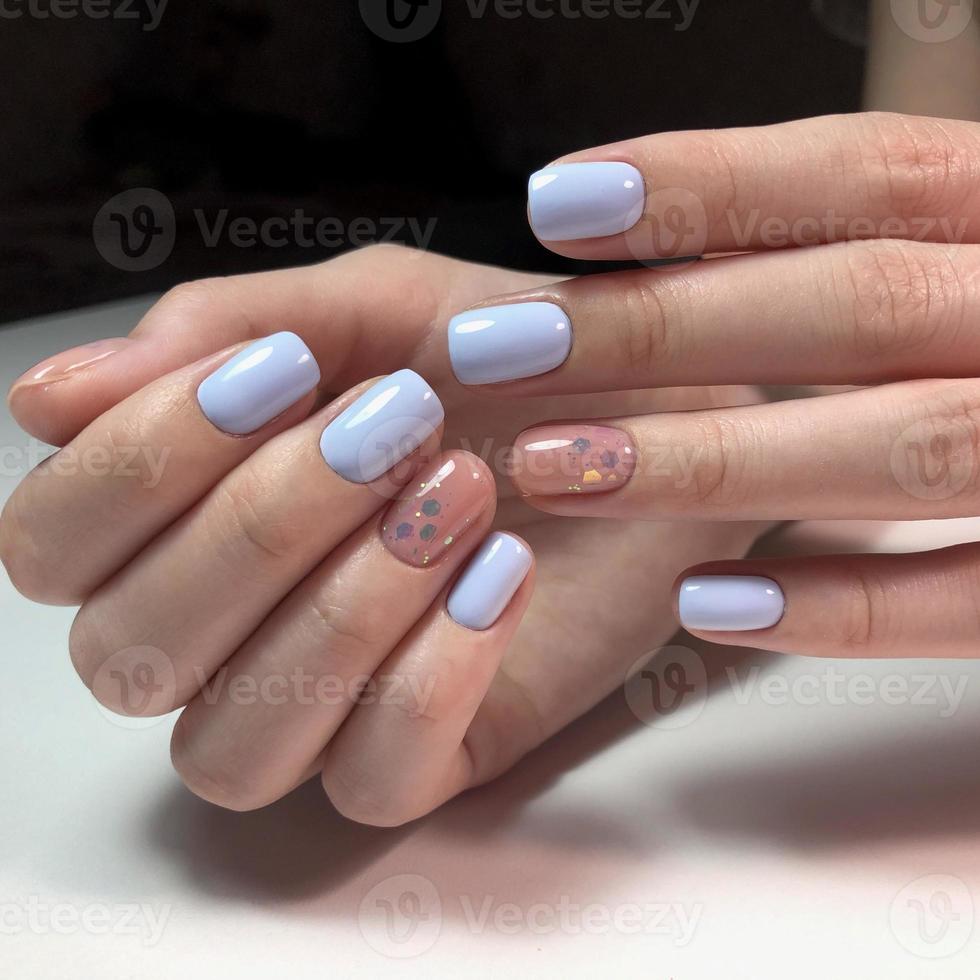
(250, 528)
(864, 619)
(719, 474)
(186, 300)
(357, 795)
(227, 786)
(339, 626)
(917, 162)
(647, 316)
(900, 297)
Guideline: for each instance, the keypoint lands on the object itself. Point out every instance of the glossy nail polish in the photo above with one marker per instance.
(584, 200)
(62, 366)
(730, 602)
(258, 383)
(492, 577)
(556, 459)
(503, 343)
(441, 507)
(384, 425)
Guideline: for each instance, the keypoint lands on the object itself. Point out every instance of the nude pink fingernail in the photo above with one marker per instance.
(568, 459)
(439, 509)
(67, 363)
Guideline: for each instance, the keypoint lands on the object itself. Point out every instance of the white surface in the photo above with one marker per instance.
(790, 825)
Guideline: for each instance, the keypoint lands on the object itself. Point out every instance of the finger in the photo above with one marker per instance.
(899, 452)
(396, 760)
(854, 313)
(255, 536)
(89, 508)
(913, 605)
(265, 717)
(362, 314)
(873, 175)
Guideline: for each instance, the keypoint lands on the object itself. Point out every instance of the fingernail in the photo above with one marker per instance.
(503, 343)
(421, 528)
(489, 582)
(552, 459)
(63, 365)
(389, 421)
(258, 384)
(584, 200)
(730, 602)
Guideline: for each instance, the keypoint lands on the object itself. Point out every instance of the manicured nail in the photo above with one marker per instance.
(384, 425)
(489, 582)
(552, 459)
(503, 343)
(258, 384)
(63, 365)
(420, 528)
(584, 200)
(730, 602)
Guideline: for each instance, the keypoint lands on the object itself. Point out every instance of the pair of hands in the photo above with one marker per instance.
(236, 549)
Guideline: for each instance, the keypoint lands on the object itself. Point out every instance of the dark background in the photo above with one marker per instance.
(265, 107)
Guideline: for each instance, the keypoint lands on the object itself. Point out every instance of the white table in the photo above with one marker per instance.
(779, 826)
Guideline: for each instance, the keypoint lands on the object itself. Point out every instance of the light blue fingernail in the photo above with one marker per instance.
(503, 343)
(584, 200)
(489, 582)
(258, 383)
(389, 421)
(730, 602)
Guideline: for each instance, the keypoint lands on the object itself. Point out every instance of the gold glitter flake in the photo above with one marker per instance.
(592, 476)
(448, 540)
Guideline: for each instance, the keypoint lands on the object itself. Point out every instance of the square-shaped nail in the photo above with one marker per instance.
(504, 343)
(584, 200)
(489, 582)
(438, 510)
(729, 602)
(387, 423)
(570, 458)
(258, 383)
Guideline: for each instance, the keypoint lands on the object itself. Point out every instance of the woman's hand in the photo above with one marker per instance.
(887, 290)
(238, 546)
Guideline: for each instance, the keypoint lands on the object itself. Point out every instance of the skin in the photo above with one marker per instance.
(861, 304)
(261, 562)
